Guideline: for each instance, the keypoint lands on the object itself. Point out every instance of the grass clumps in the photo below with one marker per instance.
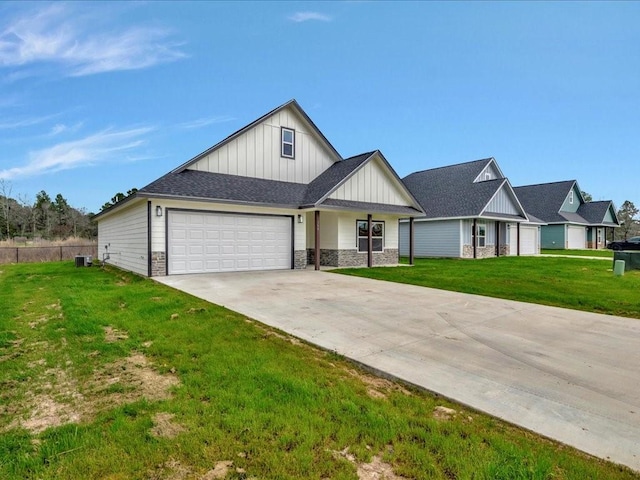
(212, 394)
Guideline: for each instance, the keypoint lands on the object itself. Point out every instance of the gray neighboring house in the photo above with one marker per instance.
(273, 195)
(570, 222)
(471, 211)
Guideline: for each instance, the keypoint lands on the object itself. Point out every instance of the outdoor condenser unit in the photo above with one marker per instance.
(84, 260)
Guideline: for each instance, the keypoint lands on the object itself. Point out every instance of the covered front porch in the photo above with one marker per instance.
(344, 238)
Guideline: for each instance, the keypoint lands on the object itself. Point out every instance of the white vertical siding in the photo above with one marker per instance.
(372, 184)
(432, 239)
(125, 233)
(256, 153)
(503, 202)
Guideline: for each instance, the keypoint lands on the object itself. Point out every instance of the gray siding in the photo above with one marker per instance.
(503, 203)
(552, 236)
(432, 239)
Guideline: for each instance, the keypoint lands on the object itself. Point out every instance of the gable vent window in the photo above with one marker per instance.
(487, 175)
(571, 197)
(288, 147)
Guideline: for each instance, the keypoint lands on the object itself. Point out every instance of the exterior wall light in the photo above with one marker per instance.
(300, 219)
(158, 211)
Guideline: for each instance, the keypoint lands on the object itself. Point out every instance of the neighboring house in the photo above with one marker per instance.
(273, 195)
(570, 221)
(471, 212)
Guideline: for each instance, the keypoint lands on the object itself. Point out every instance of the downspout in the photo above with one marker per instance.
(474, 237)
(498, 239)
(411, 240)
(370, 240)
(518, 233)
(149, 262)
(317, 239)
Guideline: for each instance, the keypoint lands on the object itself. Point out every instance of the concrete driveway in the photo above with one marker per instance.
(569, 375)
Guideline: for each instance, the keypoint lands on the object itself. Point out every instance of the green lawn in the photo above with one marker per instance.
(108, 375)
(581, 284)
(605, 253)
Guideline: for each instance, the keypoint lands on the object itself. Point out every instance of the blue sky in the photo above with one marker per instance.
(97, 98)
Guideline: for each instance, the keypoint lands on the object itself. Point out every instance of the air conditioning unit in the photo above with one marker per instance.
(84, 260)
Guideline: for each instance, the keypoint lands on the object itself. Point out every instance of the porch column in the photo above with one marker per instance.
(474, 238)
(411, 238)
(317, 239)
(518, 233)
(497, 239)
(369, 241)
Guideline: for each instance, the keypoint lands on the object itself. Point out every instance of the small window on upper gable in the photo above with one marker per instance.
(487, 175)
(288, 142)
(571, 197)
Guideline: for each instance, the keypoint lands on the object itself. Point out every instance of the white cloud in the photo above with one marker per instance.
(60, 128)
(306, 16)
(105, 146)
(203, 122)
(25, 122)
(56, 34)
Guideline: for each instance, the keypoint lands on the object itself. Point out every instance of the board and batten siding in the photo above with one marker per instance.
(126, 236)
(371, 184)
(502, 202)
(432, 239)
(256, 152)
(491, 170)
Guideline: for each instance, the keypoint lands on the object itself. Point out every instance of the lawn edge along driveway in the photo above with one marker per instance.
(566, 374)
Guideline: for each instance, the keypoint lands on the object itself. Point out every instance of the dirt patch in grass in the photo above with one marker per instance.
(378, 387)
(376, 469)
(175, 470)
(165, 427)
(56, 398)
(113, 335)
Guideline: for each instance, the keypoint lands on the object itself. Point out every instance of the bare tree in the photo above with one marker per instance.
(5, 204)
(626, 215)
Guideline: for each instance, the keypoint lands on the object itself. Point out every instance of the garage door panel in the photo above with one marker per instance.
(215, 242)
(576, 237)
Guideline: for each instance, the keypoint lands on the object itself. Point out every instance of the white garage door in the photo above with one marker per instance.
(576, 236)
(528, 240)
(219, 242)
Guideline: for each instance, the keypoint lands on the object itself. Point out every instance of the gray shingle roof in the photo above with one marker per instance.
(450, 192)
(227, 188)
(544, 201)
(199, 185)
(332, 176)
(595, 212)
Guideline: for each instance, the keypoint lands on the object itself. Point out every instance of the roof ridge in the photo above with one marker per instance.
(454, 165)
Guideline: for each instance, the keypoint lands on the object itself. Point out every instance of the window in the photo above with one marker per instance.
(571, 197)
(487, 175)
(377, 235)
(288, 148)
(481, 234)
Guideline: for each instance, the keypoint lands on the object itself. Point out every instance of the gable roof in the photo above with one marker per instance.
(198, 185)
(224, 188)
(452, 192)
(595, 213)
(544, 200)
(290, 104)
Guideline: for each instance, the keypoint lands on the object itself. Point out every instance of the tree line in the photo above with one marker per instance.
(48, 218)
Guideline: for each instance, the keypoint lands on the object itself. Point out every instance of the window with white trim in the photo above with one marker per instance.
(481, 234)
(571, 197)
(377, 235)
(288, 142)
